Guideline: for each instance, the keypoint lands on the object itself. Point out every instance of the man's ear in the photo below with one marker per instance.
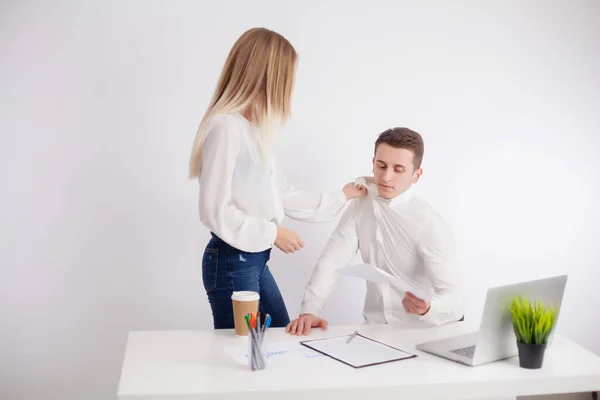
(373, 161)
(417, 175)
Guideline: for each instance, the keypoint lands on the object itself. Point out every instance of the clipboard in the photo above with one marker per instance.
(360, 352)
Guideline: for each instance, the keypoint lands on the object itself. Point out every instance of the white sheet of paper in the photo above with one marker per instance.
(274, 349)
(374, 274)
(360, 352)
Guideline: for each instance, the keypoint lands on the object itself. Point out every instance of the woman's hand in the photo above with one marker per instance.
(353, 191)
(287, 240)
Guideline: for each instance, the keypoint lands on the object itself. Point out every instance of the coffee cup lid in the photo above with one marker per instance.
(245, 296)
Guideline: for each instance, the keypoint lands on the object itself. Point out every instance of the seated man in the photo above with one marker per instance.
(398, 232)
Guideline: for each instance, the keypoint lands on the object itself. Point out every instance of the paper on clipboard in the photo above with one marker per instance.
(357, 350)
(373, 274)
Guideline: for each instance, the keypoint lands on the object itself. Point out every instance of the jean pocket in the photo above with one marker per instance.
(210, 267)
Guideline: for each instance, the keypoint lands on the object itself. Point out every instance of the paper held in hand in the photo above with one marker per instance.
(374, 274)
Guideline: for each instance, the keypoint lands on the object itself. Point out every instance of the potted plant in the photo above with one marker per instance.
(532, 322)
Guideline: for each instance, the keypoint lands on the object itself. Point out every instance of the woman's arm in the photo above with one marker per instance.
(314, 207)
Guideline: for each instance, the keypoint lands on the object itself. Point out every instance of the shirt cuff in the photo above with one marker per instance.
(431, 317)
(310, 307)
(339, 198)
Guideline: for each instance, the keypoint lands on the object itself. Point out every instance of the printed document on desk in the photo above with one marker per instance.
(373, 274)
(274, 350)
(358, 351)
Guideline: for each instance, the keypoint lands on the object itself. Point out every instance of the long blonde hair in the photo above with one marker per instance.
(259, 72)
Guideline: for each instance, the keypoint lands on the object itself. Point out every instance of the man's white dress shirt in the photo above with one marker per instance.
(403, 236)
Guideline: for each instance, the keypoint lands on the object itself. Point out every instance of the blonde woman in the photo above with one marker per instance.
(243, 196)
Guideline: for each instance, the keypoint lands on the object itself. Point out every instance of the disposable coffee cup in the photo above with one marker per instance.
(244, 303)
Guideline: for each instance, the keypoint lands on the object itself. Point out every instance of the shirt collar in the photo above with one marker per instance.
(400, 199)
(371, 185)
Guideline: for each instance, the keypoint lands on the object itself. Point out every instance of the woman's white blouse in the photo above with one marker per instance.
(242, 198)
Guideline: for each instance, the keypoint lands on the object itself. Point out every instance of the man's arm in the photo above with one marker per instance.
(438, 248)
(339, 251)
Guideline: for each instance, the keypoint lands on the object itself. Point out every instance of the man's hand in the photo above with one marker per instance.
(287, 240)
(414, 305)
(353, 191)
(302, 324)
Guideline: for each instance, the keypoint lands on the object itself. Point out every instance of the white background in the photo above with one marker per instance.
(99, 103)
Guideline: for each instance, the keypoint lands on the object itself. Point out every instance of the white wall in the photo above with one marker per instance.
(99, 103)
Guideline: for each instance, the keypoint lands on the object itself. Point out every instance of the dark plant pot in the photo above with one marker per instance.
(531, 355)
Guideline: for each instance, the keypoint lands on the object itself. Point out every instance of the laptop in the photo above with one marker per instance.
(495, 339)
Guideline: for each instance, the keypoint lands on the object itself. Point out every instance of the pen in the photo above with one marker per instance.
(266, 324)
(352, 337)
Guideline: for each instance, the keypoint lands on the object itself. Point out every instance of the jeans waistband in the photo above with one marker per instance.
(221, 242)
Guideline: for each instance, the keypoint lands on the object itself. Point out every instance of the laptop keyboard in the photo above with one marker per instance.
(468, 352)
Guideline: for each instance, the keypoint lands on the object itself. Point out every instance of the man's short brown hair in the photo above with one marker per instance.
(404, 138)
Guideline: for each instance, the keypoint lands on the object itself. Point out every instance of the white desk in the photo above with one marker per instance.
(186, 365)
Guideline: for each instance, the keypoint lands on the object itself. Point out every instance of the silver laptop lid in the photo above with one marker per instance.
(496, 336)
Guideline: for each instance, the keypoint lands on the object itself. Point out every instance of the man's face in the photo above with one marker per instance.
(394, 170)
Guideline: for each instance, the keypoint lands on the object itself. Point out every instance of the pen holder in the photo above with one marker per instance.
(256, 351)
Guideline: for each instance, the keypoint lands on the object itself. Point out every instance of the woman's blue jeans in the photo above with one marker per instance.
(226, 269)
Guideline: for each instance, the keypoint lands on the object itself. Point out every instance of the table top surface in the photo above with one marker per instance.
(195, 365)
